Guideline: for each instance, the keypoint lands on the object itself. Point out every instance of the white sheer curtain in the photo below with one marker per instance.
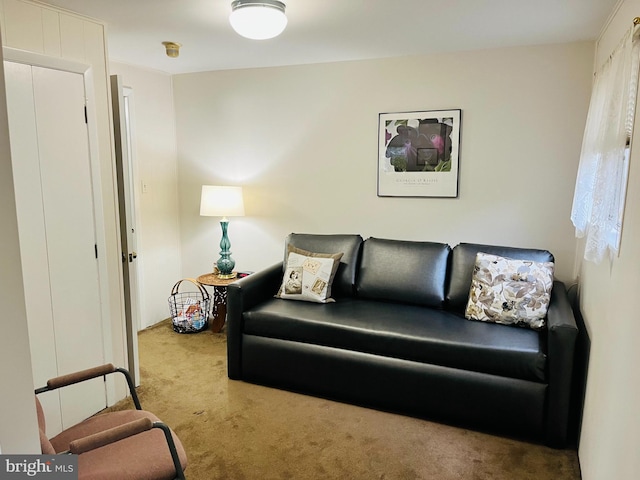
(598, 202)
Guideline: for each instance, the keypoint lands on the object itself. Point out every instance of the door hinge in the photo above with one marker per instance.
(95, 247)
(86, 116)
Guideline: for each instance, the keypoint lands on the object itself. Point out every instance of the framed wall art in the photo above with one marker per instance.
(418, 153)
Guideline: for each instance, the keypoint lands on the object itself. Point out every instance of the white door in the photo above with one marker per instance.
(121, 105)
(54, 200)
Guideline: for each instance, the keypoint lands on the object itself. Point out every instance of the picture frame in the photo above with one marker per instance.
(419, 153)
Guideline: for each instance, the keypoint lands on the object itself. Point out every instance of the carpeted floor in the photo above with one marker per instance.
(233, 430)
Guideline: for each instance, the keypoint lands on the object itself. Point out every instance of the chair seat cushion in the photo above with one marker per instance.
(144, 456)
(407, 332)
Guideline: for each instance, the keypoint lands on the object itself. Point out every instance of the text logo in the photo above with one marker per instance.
(51, 467)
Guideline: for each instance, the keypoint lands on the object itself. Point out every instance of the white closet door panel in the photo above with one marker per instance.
(69, 222)
(51, 32)
(72, 37)
(23, 26)
(33, 248)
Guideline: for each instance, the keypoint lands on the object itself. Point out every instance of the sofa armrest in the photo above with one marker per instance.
(241, 296)
(562, 334)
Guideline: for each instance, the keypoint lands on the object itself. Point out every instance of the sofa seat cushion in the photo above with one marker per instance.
(407, 332)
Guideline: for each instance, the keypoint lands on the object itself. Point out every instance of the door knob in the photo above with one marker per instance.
(133, 256)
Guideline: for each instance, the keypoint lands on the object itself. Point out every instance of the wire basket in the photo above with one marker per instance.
(189, 310)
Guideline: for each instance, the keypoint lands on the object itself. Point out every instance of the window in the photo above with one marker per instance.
(598, 202)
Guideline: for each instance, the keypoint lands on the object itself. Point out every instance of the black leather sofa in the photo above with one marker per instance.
(396, 339)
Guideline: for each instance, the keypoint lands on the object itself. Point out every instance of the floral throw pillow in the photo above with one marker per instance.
(509, 291)
(308, 276)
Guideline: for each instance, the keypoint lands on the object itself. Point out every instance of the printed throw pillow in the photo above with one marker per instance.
(509, 291)
(308, 276)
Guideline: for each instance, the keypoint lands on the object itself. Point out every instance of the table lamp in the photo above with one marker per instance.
(217, 201)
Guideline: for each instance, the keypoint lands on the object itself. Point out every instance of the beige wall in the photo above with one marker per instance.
(18, 425)
(302, 140)
(610, 438)
(157, 203)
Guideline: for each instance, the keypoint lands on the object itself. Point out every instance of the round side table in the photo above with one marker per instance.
(219, 310)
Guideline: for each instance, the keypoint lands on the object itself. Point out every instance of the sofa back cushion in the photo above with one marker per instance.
(403, 271)
(463, 259)
(348, 245)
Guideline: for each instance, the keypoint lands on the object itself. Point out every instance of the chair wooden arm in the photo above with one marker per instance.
(88, 374)
(81, 376)
(111, 435)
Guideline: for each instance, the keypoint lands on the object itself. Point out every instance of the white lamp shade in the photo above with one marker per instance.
(217, 201)
(258, 20)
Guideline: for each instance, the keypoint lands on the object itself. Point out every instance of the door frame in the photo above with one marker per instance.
(55, 63)
(126, 166)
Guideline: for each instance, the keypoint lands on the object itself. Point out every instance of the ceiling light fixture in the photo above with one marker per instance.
(258, 19)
